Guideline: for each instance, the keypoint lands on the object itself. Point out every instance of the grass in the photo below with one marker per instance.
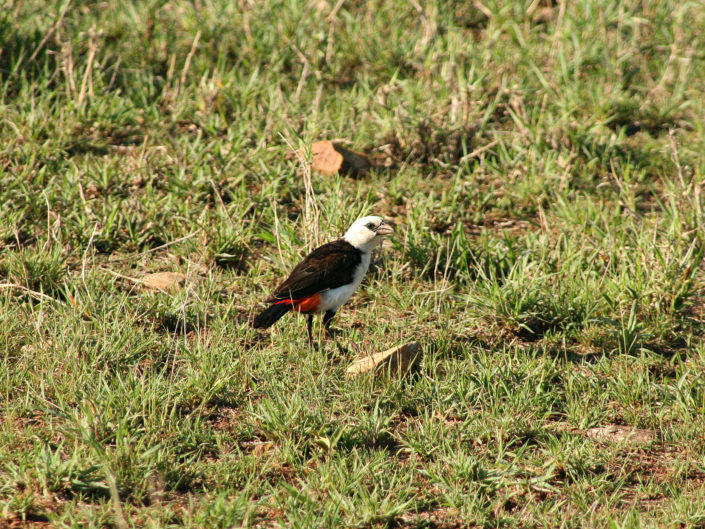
(543, 164)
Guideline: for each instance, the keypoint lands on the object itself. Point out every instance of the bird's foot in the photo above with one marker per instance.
(342, 350)
(332, 333)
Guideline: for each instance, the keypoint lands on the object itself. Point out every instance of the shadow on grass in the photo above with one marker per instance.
(429, 143)
(350, 441)
(17, 48)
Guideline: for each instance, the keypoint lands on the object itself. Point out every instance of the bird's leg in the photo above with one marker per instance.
(309, 327)
(327, 317)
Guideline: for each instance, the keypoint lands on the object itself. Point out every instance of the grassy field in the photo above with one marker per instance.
(543, 165)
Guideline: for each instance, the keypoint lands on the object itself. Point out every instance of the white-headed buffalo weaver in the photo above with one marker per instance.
(327, 277)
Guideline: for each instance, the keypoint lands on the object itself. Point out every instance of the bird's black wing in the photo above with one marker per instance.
(329, 266)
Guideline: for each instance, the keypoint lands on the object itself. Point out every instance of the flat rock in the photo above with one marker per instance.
(617, 434)
(330, 158)
(397, 361)
(163, 280)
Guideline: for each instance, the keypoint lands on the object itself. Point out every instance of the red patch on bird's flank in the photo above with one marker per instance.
(307, 304)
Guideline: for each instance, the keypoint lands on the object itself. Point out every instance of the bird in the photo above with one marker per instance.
(327, 277)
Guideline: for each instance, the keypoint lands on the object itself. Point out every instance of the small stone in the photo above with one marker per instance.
(397, 361)
(330, 158)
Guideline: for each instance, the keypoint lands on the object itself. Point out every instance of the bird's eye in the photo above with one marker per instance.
(370, 226)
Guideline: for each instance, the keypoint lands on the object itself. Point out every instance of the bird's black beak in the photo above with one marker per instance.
(384, 229)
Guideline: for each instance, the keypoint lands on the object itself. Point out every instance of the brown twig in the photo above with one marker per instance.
(33, 293)
(190, 55)
(51, 31)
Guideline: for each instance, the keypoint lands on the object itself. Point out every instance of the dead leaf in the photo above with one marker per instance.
(34, 348)
(330, 158)
(259, 449)
(544, 14)
(617, 434)
(397, 360)
(163, 280)
(322, 7)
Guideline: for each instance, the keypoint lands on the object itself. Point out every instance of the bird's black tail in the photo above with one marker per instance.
(270, 315)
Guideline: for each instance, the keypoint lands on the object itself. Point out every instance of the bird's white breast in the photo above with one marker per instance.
(332, 299)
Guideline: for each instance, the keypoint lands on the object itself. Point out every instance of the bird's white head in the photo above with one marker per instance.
(367, 232)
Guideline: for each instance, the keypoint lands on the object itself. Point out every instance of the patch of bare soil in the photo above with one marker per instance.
(514, 226)
(660, 465)
(641, 458)
(437, 518)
